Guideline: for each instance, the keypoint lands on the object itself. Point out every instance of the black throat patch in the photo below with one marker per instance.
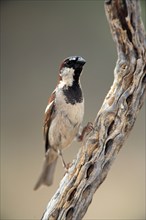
(73, 94)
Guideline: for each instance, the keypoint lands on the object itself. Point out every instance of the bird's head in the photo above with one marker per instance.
(71, 68)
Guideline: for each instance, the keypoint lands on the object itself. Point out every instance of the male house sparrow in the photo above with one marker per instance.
(63, 116)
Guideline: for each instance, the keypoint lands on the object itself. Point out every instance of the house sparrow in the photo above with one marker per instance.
(63, 116)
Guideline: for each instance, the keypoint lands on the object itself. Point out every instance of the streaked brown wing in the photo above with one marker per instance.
(49, 114)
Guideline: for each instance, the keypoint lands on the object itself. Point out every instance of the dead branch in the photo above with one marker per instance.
(115, 118)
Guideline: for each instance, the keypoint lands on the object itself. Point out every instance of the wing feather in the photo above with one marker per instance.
(49, 114)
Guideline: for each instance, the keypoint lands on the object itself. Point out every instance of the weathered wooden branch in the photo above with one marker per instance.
(115, 118)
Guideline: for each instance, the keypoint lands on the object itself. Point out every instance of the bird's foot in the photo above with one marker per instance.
(86, 130)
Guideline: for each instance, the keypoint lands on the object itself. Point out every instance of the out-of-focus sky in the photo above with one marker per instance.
(35, 37)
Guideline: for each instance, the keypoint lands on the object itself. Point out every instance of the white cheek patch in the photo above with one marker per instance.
(67, 75)
(65, 71)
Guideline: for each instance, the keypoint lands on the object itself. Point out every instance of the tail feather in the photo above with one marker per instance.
(47, 174)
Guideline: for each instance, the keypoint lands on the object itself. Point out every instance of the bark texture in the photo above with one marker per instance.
(115, 118)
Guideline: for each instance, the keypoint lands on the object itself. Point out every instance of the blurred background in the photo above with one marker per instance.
(36, 37)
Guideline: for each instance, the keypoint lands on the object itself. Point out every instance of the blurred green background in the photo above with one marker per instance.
(35, 37)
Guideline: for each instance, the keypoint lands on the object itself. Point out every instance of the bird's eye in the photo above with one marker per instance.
(68, 63)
